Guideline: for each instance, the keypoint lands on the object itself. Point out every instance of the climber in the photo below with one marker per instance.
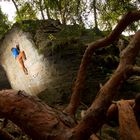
(19, 55)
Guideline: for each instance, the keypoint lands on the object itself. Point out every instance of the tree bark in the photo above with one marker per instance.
(80, 80)
(129, 129)
(112, 112)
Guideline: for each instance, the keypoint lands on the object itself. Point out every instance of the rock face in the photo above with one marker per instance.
(4, 83)
(51, 73)
(35, 81)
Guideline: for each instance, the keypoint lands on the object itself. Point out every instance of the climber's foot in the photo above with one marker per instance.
(25, 71)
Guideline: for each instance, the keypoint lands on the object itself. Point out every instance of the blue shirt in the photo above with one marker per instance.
(15, 52)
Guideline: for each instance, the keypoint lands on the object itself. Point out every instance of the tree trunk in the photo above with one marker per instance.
(47, 9)
(95, 14)
(41, 9)
(78, 13)
(80, 80)
(62, 11)
(16, 9)
(129, 129)
(112, 112)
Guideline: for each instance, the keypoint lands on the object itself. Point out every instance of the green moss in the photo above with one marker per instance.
(70, 31)
(60, 37)
(27, 25)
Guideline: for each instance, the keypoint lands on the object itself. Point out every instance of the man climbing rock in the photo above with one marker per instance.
(19, 56)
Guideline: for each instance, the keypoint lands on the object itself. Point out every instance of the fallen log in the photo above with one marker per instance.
(35, 118)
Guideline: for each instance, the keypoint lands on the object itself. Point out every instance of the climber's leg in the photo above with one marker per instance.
(20, 60)
(23, 55)
(23, 66)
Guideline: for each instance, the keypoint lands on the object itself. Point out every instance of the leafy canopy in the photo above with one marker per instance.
(4, 23)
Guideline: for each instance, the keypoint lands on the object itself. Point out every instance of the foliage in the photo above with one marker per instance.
(26, 12)
(105, 13)
(110, 12)
(4, 23)
(64, 10)
(71, 31)
(28, 25)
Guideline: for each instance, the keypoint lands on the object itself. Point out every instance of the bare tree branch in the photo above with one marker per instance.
(80, 80)
(16, 6)
(129, 129)
(112, 112)
(96, 113)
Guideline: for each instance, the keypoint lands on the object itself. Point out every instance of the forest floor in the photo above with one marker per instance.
(13, 130)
